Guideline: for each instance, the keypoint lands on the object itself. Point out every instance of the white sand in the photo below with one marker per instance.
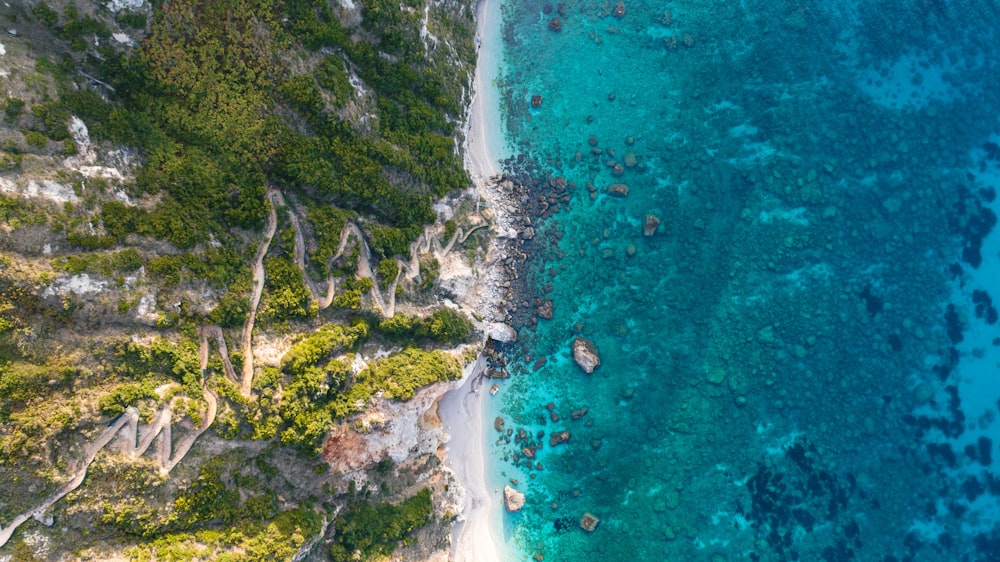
(484, 136)
(461, 411)
(474, 538)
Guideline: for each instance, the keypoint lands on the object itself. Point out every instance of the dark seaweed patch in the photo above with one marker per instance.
(953, 324)
(873, 304)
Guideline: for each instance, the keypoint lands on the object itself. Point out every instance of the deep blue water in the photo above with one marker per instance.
(801, 362)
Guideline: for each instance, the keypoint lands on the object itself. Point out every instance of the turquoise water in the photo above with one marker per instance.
(801, 362)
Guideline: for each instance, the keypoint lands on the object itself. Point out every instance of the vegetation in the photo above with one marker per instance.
(374, 530)
(215, 104)
(330, 339)
(444, 325)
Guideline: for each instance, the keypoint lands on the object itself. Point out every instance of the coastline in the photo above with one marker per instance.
(476, 535)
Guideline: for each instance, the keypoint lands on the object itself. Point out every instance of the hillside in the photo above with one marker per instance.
(227, 233)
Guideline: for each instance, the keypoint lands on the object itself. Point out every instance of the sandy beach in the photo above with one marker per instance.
(474, 537)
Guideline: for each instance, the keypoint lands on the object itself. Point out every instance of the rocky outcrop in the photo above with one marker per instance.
(513, 500)
(585, 354)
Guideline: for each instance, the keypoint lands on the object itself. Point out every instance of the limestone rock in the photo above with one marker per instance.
(503, 333)
(585, 354)
(588, 522)
(513, 500)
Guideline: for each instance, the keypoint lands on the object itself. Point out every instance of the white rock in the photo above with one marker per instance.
(502, 333)
(585, 354)
(513, 500)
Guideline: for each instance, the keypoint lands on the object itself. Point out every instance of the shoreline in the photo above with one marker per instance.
(476, 535)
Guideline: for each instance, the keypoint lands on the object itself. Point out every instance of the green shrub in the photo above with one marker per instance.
(376, 529)
(288, 298)
(387, 271)
(125, 395)
(399, 375)
(328, 340)
(34, 138)
(13, 108)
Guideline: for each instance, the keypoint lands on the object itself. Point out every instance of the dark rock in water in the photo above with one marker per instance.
(579, 413)
(498, 423)
(618, 190)
(555, 24)
(953, 324)
(558, 437)
(539, 363)
(547, 9)
(650, 226)
(545, 310)
(588, 522)
(592, 140)
(536, 100)
(873, 304)
(895, 343)
(619, 10)
(985, 449)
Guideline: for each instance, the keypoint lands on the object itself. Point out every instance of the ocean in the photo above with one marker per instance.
(775, 221)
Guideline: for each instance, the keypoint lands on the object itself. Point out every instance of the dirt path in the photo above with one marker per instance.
(257, 268)
(136, 441)
(323, 301)
(220, 341)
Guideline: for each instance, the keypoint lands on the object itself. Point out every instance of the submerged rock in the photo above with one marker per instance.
(619, 10)
(652, 223)
(585, 354)
(513, 500)
(558, 437)
(618, 190)
(588, 522)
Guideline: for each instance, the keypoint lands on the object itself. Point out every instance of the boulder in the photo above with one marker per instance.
(545, 310)
(619, 10)
(503, 333)
(585, 354)
(536, 101)
(555, 24)
(652, 223)
(558, 437)
(513, 500)
(588, 522)
(618, 190)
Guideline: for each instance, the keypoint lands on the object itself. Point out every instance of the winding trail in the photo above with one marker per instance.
(323, 301)
(424, 244)
(136, 441)
(220, 341)
(257, 268)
